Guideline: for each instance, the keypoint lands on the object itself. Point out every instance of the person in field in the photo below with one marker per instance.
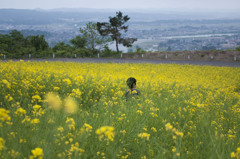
(133, 92)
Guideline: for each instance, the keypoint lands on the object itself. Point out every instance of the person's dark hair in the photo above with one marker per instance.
(131, 81)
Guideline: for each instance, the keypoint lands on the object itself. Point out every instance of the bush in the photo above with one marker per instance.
(237, 48)
(108, 52)
(81, 52)
(139, 50)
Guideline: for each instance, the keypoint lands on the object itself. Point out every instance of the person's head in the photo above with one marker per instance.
(131, 82)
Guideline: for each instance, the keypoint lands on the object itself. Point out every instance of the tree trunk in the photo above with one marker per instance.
(117, 46)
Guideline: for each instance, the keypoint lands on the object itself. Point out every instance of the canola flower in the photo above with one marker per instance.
(71, 123)
(36, 98)
(68, 81)
(107, 132)
(168, 126)
(139, 112)
(178, 104)
(37, 110)
(75, 148)
(86, 128)
(153, 129)
(56, 88)
(9, 98)
(236, 154)
(60, 129)
(123, 132)
(37, 153)
(20, 111)
(2, 144)
(4, 116)
(8, 85)
(35, 121)
(144, 135)
(77, 93)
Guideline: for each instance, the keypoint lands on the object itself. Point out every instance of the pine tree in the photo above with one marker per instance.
(115, 28)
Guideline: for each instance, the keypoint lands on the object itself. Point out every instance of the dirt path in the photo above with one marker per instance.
(156, 61)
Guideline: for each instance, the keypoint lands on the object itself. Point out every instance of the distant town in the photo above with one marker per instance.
(153, 33)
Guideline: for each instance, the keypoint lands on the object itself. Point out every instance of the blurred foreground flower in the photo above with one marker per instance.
(70, 105)
(53, 101)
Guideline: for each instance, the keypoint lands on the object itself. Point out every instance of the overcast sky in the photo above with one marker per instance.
(122, 4)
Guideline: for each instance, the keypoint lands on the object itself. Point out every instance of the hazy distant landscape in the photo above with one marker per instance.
(155, 30)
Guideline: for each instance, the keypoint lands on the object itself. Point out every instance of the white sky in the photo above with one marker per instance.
(123, 4)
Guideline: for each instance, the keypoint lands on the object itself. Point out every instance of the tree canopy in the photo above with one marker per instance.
(92, 36)
(115, 28)
(15, 44)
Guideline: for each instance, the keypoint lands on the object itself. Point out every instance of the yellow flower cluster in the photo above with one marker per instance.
(2, 144)
(169, 127)
(139, 112)
(20, 111)
(4, 117)
(9, 97)
(76, 93)
(37, 153)
(236, 154)
(86, 128)
(75, 148)
(106, 131)
(36, 98)
(37, 110)
(35, 121)
(8, 85)
(68, 81)
(71, 123)
(144, 135)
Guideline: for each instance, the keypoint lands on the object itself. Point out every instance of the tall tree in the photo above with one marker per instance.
(92, 36)
(115, 28)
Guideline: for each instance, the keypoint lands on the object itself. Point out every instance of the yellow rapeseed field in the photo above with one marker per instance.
(78, 110)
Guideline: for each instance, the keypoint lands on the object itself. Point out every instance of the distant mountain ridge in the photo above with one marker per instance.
(43, 17)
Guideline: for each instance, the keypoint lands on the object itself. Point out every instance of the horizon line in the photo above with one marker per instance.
(133, 9)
